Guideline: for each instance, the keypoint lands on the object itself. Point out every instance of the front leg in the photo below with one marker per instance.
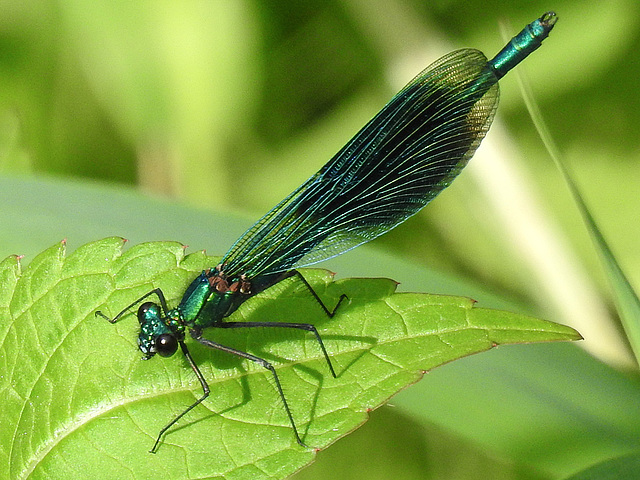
(157, 291)
(205, 389)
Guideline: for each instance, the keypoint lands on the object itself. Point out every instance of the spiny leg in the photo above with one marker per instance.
(260, 361)
(302, 326)
(205, 388)
(157, 291)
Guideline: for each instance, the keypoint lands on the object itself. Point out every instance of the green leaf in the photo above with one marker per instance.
(626, 466)
(79, 403)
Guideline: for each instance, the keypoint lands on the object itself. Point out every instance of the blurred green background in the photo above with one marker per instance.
(223, 107)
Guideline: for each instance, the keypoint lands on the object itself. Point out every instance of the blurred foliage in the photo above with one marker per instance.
(230, 104)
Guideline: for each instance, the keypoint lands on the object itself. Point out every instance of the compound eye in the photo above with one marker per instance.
(166, 345)
(143, 311)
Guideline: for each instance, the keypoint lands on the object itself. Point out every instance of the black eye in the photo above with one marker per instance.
(166, 345)
(143, 311)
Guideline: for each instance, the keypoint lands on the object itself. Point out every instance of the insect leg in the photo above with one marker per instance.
(260, 361)
(330, 313)
(205, 388)
(302, 326)
(157, 291)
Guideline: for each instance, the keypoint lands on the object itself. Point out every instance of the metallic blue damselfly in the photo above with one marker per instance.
(396, 164)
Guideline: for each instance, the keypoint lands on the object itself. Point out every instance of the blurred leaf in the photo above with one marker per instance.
(394, 445)
(169, 77)
(552, 406)
(75, 408)
(627, 467)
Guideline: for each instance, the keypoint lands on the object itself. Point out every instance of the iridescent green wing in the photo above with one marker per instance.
(405, 156)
